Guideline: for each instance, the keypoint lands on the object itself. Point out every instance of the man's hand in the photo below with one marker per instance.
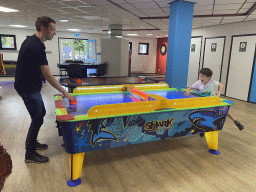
(51, 79)
(70, 98)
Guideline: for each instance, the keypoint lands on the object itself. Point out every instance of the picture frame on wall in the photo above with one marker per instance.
(193, 47)
(242, 47)
(8, 42)
(213, 47)
(143, 48)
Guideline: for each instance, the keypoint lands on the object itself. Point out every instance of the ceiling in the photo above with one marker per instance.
(94, 16)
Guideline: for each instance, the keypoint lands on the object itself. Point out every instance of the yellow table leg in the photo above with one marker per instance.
(212, 141)
(75, 165)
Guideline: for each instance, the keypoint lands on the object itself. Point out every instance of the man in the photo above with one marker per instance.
(31, 65)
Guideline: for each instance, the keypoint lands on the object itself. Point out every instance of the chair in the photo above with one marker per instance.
(74, 71)
(64, 70)
(101, 70)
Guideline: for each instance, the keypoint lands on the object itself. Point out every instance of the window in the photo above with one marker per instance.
(91, 51)
(143, 48)
(77, 49)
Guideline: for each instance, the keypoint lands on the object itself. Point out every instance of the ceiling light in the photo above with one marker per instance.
(132, 34)
(118, 36)
(91, 17)
(149, 34)
(73, 29)
(20, 26)
(63, 20)
(109, 32)
(4, 9)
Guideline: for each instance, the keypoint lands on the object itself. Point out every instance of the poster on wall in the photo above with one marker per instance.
(242, 47)
(213, 47)
(193, 47)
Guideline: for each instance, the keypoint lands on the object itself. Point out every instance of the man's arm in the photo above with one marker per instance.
(51, 79)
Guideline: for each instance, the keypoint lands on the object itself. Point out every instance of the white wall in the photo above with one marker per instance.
(51, 46)
(225, 30)
(140, 63)
(143, 63)
(115, 52)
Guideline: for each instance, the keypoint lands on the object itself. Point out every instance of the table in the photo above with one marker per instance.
(156, 79)
(71, 84)
(118, 115)
(10, 67)
(85, 66)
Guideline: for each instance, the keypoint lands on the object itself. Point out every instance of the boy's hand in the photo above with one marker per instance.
(187, 93)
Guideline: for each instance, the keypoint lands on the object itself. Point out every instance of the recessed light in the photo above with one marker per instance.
(91, 17)
(5, 9)
(73, 29)
(132, 34)
(149, 34)
(19, 26)
(63, 20)
(118, 36)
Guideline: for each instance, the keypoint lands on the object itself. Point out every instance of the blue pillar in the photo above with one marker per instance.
(179, 37)
(252, 97)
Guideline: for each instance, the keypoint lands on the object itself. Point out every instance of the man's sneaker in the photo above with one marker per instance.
(36, 158)
(40, 146)
(239, 125)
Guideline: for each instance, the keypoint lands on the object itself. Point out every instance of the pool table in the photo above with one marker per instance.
(117, 115)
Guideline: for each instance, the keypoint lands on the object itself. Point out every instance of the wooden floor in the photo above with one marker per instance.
(179, 164)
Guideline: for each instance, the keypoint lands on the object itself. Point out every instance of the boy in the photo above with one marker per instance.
(207, 86)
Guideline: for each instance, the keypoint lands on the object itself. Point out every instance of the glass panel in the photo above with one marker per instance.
(143, 48)
(66, 50)
(80, 50)
(92, 50)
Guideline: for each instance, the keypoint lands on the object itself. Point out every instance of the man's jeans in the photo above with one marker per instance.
(35, 106)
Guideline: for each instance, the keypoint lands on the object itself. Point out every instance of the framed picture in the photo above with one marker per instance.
(163, 49)
(8, 42)
(213, 47)
(143, 48)
(193, 47)
(242, 47)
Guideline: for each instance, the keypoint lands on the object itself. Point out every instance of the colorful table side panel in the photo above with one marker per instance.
(103, 133)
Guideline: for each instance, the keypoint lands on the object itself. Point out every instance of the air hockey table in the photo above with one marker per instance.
(117, 115)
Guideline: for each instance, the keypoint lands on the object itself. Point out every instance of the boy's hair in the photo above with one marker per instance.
(206, 71)
(43, 21)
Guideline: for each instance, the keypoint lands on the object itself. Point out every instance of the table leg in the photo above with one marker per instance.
(212, 141)
(75, 165)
